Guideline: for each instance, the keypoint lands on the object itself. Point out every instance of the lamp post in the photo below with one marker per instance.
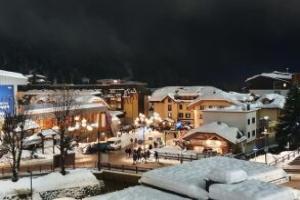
(98, 152)
(265, 133)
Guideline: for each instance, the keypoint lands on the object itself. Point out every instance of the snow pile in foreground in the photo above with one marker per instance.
(138, 193)
(230, 176)
(53, 181)
(189, 178)
(250, 190)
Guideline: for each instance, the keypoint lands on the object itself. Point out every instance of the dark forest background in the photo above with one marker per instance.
(162, 42)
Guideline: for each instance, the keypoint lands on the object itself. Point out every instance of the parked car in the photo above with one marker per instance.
(114, 143)
(95, 147)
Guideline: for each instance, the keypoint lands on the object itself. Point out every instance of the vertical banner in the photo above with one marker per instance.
(7, 100)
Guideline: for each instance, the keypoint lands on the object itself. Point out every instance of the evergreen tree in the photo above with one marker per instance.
(288, 128)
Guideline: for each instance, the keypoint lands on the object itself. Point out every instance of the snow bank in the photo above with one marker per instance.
(185, 178)
(229, 176)
(250, 190)
(174, 150)
(50, 182)
(271, 158)
(138, 193)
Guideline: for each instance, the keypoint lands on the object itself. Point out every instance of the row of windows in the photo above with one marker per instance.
(201, 107)
(253, 121)
(210, 106)
(253, 134)
(187, 115)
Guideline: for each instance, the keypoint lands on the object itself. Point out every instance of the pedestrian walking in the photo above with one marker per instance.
(134, 157)
(156, 156)
(129, 152)
(148, 154)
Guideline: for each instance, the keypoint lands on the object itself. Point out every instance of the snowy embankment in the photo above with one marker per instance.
(189, 178)
(138, 192)
(250, 190)
(271, 158)
(50, 182)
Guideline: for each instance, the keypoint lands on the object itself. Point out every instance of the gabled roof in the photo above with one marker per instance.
(171, 91)
(283, 76)
(221, 129)
(216, 97)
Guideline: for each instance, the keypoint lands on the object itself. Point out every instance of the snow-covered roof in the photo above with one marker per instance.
(36, 75)
(28, 125)
(171, 91)
(51, 109)
(232, 134)
(4, 73)
(91, 99)
(188, 178)
(270, 101)
(283, 76)
(116, 113)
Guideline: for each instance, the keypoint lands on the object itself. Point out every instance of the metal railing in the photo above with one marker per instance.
(286, 157)
(5, 172)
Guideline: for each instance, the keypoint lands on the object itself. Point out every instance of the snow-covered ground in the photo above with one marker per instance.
(50, 182)
(38, 154)
(138, 193)
(174, 150)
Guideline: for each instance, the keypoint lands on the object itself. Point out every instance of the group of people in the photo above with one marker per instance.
(140, 155)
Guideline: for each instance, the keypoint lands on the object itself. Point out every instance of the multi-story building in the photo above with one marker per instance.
(274, 82)
(187, 103)
(242, 117)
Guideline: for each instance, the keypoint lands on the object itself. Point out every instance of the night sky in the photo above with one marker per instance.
(162, 42)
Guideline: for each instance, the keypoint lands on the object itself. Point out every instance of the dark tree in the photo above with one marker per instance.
(64, 105)
(288, 128)
(13, 134)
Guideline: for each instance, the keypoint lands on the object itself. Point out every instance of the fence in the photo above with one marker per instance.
(5, 172)
(286, 157)
(185, 157)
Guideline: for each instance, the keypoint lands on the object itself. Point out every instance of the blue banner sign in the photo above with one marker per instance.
(7, 101)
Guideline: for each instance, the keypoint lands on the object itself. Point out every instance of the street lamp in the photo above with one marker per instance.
(266, 134)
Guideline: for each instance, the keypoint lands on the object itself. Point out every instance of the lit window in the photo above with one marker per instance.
(188, 115)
